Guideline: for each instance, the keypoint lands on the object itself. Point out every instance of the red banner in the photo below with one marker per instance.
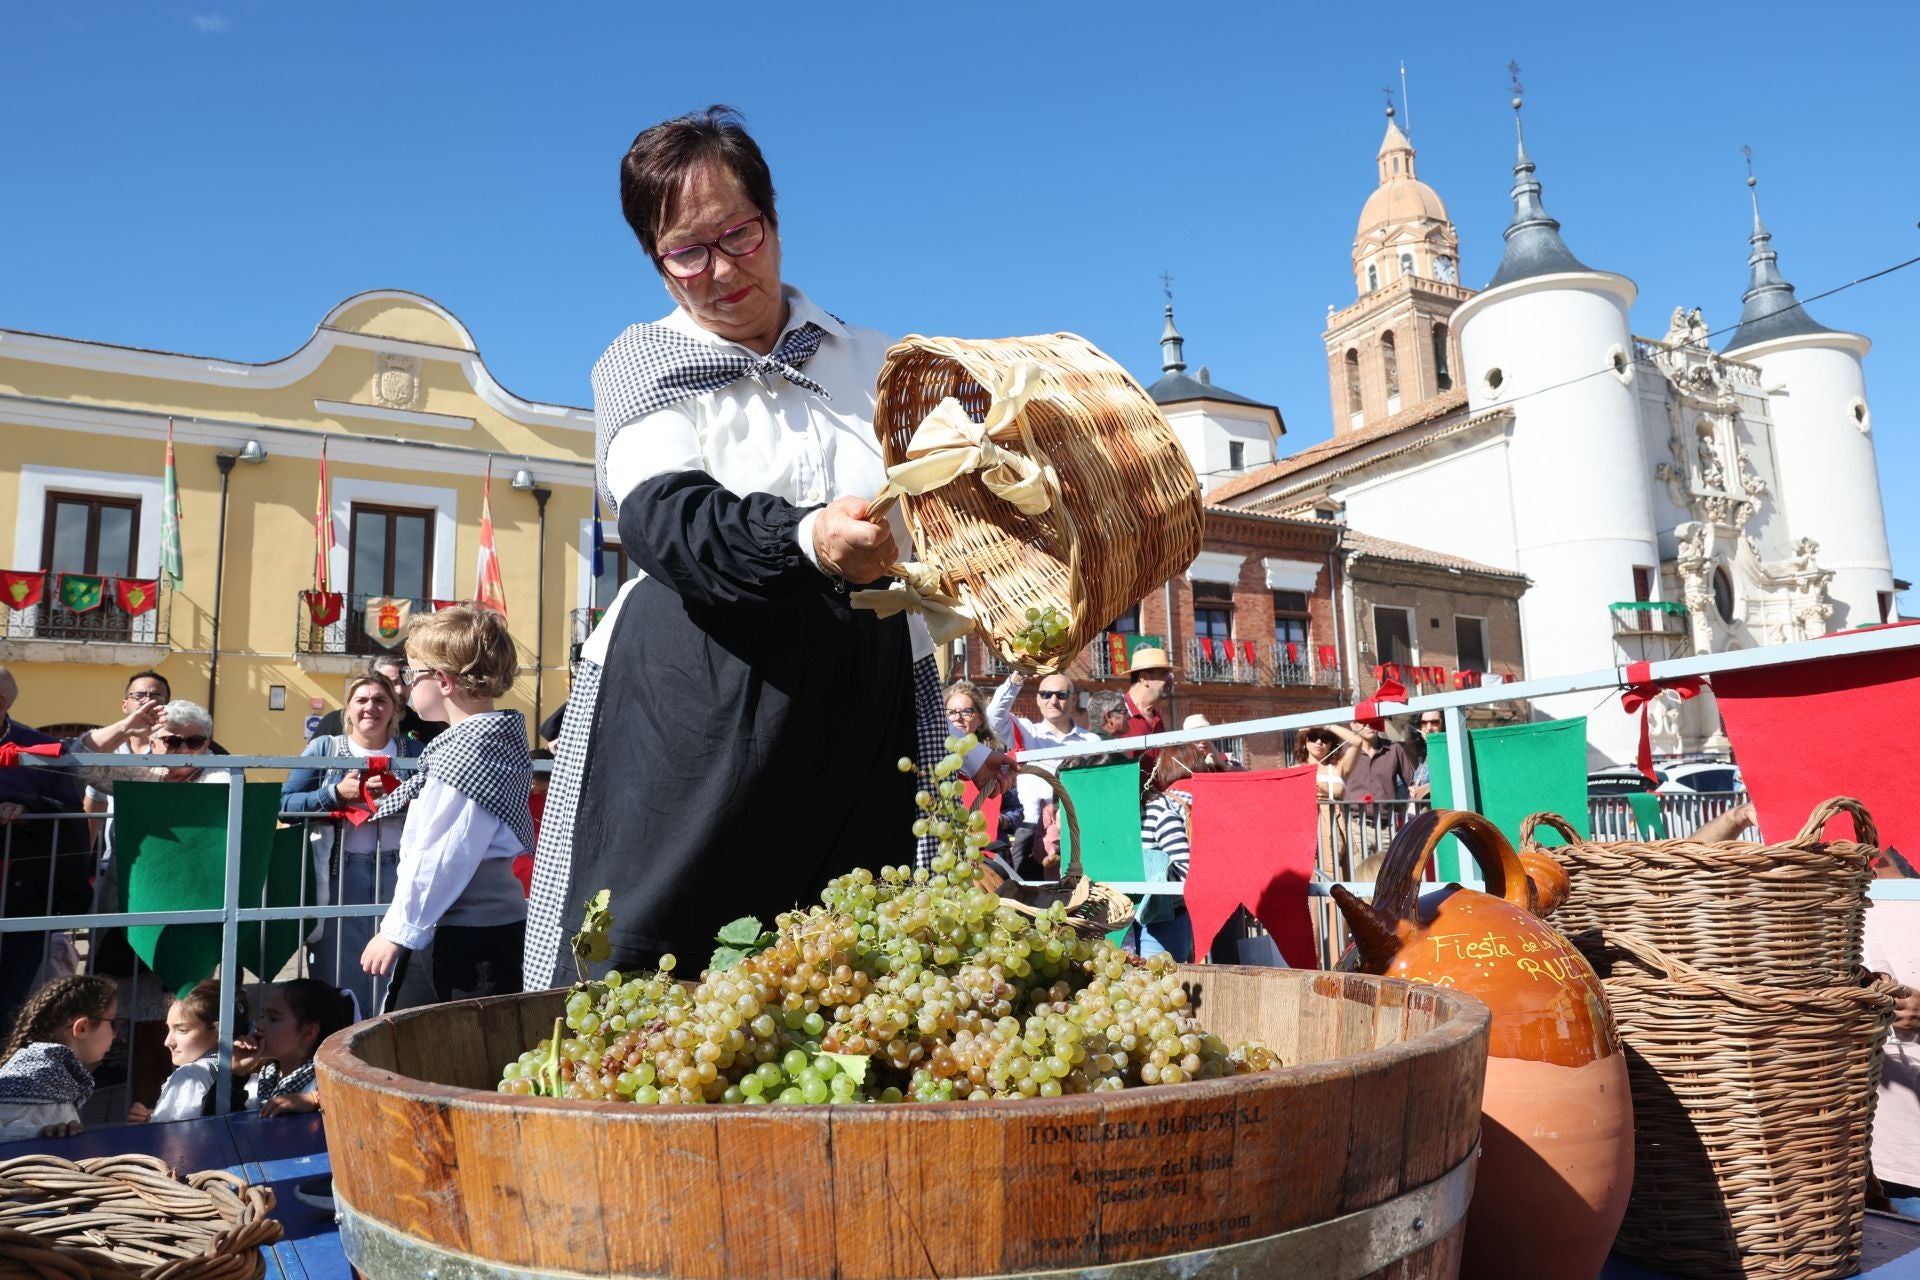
(1116, 653)
(1246, 648)
(1255, 836)
(136, 596)
(1293, 653)
(21, 589)
(1206, 647)
(323, 607)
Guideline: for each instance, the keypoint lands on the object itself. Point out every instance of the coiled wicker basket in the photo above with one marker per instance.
(1094, 910)
(1126, 511)
(1787, 914)
(1751, 1109)
(130, 1218)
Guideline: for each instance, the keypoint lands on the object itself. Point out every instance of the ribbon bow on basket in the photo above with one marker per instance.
(1639, 694)
(949, 444)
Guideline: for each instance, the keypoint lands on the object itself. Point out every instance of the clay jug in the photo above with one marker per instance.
(1557, 1120)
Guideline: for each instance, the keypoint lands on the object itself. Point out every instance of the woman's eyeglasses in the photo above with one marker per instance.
(168, 741)
(737, 241)
(963, 713)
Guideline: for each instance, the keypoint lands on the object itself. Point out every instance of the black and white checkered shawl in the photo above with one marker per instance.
(652, 367)
(271, 1083)
(485, 759)
(43, 1074)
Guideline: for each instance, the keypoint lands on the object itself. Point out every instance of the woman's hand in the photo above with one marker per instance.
(11, 813)
(379, 956)
(849, 545)
(1906, 1014)
(139, 1113)
(351, 788)
(65, 1129)
(290, 1104)
(995, 774)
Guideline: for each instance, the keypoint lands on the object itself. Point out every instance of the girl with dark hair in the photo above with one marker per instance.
(294, 1018)
(46, 1071)
(193, 1043)
(732, 709)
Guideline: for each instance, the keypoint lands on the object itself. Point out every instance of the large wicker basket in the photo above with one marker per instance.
(1787, 914)
(1751, 1110)
(130, 1218)
(1125, 514)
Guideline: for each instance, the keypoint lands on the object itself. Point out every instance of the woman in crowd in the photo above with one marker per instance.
(1319, 747)
(354, 853)
(1162, 921)
(732, 709)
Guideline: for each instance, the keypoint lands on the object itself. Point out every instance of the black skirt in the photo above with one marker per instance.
(740, 757)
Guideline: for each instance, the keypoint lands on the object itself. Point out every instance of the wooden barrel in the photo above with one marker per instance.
(1354, 1161)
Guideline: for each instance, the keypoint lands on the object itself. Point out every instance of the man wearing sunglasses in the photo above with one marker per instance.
(1055, 726)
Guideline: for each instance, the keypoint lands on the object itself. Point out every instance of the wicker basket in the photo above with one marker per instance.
(1782, 914)
(1125, 511)
(130, 1218)
(1093, 909)
(1751, 1110)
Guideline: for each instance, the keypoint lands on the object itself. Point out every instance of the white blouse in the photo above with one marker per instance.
(769, 437)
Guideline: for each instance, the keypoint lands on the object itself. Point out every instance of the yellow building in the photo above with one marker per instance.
(394, 385)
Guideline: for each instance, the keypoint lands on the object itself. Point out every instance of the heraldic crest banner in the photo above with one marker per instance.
(387, 620)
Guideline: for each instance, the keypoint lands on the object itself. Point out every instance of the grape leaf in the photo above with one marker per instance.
(744, 932)
(854, 1064)
(726, 958)
(592, 944)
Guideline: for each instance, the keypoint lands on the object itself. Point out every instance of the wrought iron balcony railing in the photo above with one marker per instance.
(144, 618)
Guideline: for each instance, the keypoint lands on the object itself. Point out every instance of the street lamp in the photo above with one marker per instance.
(250, 452)
(523, 481)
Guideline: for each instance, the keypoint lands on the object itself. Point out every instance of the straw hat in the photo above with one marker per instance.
(1196, 721)
(1149, 660)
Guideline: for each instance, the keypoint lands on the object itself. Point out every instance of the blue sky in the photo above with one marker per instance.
(213, 176)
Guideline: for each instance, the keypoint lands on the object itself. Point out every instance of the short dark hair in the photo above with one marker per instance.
(165, 684)
(657, 164)
(385, 660)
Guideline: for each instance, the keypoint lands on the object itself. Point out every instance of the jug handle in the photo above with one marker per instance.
(1397, 894)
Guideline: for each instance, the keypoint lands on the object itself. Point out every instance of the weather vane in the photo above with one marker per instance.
(1513, 70)
(1389, 94)
(1747, 151)
(1166, 284)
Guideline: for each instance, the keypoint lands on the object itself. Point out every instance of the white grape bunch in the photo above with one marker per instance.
(901, 986)
(1043, 637)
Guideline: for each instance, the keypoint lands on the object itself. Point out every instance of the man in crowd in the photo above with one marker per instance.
(409, 725)
(1055, 727)
(1107, 714)
(1375, 767)
(143, 687)
(49, 860)
(1149, 685)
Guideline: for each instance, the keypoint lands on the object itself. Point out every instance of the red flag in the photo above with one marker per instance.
(488, 590)
(1117, 653)
(1206, 647)
(1787, 724)
(323, 606)
(1328, 656)
(438, 605)
(323, 541)
(1293, 652)
(136, 596)
(21, 589)
(1255, 841)
(1246, 648)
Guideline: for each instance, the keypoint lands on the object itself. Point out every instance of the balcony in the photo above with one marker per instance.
(49, 631)
(1223, 661)
(347, 636)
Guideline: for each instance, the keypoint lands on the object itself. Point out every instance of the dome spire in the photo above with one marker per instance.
(1396, 151)
(1769, 308)
(1534, 246)
(1173, 357)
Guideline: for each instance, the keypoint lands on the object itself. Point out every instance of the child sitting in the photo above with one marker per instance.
(455, 891)
(61, 1035)
(193, 1031)
(294, 1018)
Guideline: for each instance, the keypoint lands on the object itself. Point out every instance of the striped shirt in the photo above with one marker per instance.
(1163, 825)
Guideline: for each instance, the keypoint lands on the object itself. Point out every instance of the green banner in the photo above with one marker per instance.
(1647, 818)
(82, 592)
(1518, 769)
(170, 850)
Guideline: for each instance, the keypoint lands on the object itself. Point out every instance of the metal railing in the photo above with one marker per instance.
(348, 633)
(106, 623)
(580, 625)
(1222, 661)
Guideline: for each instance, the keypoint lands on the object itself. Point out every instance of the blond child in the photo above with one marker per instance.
(458, 919)
(46, 1071)
(193, 1043)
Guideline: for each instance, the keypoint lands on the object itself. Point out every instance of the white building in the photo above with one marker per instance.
(1734, 494)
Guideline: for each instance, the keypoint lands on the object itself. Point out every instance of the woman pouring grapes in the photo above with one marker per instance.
(733, 737)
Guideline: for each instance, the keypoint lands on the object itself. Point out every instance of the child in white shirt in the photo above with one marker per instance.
(46, 1071)
(193, 1042)
(458, 920)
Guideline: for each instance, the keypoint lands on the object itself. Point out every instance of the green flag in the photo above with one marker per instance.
(1518, 769)
(82, 592)
(170, 516)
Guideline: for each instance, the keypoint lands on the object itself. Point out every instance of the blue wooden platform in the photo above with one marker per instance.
(285, 1151)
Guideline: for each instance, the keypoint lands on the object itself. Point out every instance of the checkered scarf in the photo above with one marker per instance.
(652, 366)
(270, 1083)
(44, 1073)
(485, 759)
